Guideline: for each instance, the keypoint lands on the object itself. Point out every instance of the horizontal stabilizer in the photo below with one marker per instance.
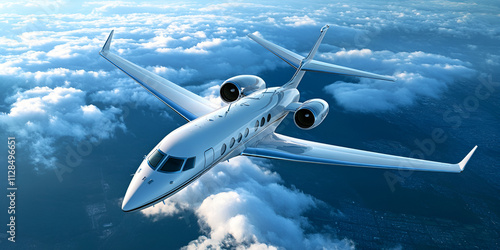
(318, 66)
(288, 56)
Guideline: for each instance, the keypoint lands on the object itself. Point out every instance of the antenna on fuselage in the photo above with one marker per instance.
(228, 108)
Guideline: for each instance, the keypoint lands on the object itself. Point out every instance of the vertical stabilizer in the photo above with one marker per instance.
(318, 42)
(297, 77)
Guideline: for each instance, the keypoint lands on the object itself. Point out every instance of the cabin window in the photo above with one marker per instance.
(189, 164)
(155, 158)
(246, 132)
(223, 149)
(240, 136)
(256, 125)
(268, 117)
(231, 143)
(172, 164)
(262, 121)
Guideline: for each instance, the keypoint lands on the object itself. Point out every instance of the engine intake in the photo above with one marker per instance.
(311, 113)
(236, 87)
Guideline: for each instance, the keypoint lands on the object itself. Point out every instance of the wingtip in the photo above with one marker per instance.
(106, 46)
(386, 78)
(466, 159)
(325, 28)
(252, 35)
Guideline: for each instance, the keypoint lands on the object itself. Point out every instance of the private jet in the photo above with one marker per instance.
(246, 126)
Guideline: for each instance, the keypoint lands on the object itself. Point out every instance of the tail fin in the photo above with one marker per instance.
(315, 48)
(308, 64)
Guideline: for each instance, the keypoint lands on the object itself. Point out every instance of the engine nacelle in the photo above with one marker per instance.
(311, 113)
(236, 87)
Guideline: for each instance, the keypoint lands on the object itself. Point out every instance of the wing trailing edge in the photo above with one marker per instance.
(276, 146)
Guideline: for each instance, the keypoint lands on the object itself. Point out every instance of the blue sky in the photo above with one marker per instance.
(58, 94)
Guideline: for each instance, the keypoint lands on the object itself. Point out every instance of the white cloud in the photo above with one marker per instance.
(419, 75)
(59, 75)
(202, 47)
(227, 6)
(200, 44)
(493, 60)
(158, 41)
(74, 48)
(177, 76)
(299, 21)
(42, 115)
(241, 204)
(131, 94)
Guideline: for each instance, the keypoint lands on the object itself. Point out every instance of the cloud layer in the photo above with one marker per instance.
(43, 115)
(239, 203)
(418, 75)
(56, 90)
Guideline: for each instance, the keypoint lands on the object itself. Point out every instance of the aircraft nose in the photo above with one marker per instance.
(136, 195)
(131, 203)
(146, 187)
(132, 199)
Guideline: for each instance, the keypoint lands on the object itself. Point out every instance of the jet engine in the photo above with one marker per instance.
(236, 87)
(310, 114)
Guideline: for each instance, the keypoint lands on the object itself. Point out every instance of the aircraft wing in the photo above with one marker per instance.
(187, 104)
(276, 146)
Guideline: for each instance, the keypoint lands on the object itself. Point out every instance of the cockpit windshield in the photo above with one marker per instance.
(172, 164)
(168, 164)
(155, 158)
(189, 164)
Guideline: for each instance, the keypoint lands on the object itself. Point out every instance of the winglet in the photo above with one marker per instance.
(105, 48)
(466, 159)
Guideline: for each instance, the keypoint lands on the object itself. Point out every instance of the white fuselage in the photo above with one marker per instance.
(210, 139)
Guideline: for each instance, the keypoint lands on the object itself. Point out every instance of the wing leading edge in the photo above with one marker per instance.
(277, 146)
(187, 104)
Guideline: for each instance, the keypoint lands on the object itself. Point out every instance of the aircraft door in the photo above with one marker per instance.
(209, 157)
